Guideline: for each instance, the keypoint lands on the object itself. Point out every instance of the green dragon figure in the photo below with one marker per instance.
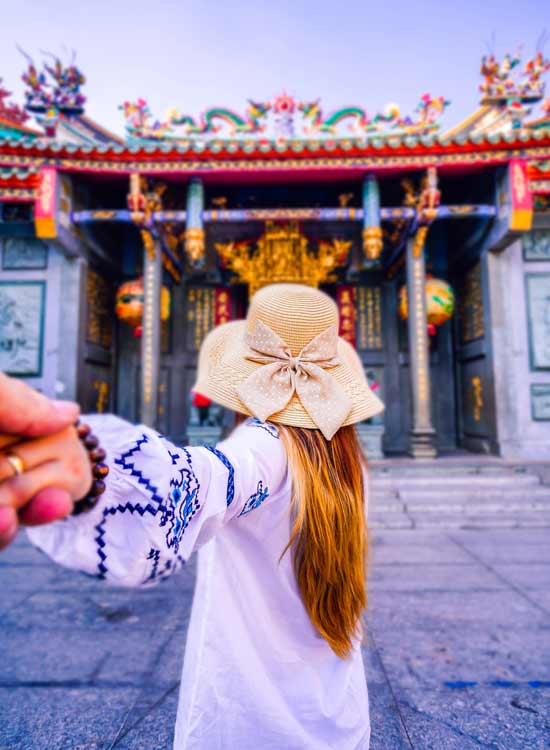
(362, 123)
(250, 123)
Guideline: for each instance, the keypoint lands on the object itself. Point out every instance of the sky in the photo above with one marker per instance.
(196, 54)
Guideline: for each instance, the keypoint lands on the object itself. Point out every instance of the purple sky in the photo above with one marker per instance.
(195, 54)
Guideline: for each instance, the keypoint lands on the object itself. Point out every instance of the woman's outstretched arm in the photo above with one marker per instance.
(161, 503)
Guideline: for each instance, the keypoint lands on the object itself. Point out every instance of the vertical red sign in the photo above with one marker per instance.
(345, 297)
(222, 305)
(521, 197)
(46, 204)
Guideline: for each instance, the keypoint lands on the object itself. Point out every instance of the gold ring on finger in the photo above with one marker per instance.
(16, 463)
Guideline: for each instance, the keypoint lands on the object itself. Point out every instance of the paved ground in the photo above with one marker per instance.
(458, 651)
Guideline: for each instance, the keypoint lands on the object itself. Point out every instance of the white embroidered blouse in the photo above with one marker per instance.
(256, 674)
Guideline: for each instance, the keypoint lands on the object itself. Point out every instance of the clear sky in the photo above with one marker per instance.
(193, 54)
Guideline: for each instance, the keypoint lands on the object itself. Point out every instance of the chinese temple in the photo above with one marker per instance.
(119, 254)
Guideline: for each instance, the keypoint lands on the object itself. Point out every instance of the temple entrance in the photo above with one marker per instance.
(369, 319)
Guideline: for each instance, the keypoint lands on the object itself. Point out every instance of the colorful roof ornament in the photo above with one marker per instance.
(504, 81)
(424, 120)
(53, 91)
(290, 119)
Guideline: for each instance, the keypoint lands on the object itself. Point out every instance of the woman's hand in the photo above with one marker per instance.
(59, 461)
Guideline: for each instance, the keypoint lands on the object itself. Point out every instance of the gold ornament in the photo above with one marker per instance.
(282, 255)
(372, 242)
(194, 244)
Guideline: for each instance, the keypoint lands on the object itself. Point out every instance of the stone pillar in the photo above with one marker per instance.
(150, 341)
(194, 232)
(422, 433)
(372, 231)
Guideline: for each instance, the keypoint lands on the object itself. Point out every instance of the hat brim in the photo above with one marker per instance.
(225, 367)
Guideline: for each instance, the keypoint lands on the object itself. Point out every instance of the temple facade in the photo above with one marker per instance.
(118, 255)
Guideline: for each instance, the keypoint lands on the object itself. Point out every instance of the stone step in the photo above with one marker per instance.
(464, 508)
(537, 491)
(449, 482)
(459, 521)
(441, 469)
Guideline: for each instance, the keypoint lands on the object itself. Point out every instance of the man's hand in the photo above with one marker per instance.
(25, 413)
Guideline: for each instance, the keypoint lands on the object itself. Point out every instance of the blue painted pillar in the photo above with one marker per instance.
(194, 233)
(372, 231)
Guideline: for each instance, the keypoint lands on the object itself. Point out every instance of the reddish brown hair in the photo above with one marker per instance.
(329, 536)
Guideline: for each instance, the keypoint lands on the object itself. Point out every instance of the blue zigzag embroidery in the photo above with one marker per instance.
(268, 427)
(185, 502)
(255, 500)
(152, 508)
(230, 494)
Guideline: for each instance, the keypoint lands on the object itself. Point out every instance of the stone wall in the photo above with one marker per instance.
(59, 312)
(522, 433)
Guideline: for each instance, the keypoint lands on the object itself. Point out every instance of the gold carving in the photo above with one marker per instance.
(419, 241)
(372, 242)
(200, 314)
(102, 388)
(344, 199)
(99, 296)
(194, 244)
(470, 306)
(282, 255)
(148, 243)
(476, 397)
(369, 309)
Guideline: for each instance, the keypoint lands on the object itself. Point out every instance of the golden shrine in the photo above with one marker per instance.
(282, 254)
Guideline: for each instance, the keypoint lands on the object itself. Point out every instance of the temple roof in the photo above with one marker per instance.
(280, 135)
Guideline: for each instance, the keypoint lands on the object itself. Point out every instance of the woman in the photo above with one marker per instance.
(272, 658)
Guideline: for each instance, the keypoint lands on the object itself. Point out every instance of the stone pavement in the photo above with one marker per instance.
(457, 651)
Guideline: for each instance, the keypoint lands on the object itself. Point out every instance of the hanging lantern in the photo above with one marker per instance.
(440, 303)
(129, 304)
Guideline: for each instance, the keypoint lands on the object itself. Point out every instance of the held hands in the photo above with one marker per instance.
(57, 469)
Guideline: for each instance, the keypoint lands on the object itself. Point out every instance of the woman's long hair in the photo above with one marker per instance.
(329, 535)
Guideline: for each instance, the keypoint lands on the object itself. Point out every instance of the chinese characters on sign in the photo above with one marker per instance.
(222, 306)
(369, 317)
(101, 388)
(476, 397)
(470, 306)
(100, 297)
(345, 297)
(200, 315)
(45, 204)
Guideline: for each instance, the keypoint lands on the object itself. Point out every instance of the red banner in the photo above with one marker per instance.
(345, 297)
(521, 196)
(46, 204)
(222, 305)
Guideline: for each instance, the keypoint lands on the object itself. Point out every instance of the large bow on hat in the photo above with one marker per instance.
(269, 388)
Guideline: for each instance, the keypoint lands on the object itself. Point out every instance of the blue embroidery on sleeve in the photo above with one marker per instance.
(230, 494)
(181, 505)
(269, 427)
(184, 495)
(255, 500)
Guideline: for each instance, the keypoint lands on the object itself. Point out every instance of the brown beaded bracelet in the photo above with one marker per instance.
(99, 469)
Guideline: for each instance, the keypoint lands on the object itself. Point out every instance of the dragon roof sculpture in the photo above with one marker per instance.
(290, 118)
(53, 90)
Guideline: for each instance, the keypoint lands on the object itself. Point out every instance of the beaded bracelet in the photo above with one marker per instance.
(99, 469)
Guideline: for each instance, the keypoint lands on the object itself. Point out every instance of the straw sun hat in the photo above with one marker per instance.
(286, 363)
